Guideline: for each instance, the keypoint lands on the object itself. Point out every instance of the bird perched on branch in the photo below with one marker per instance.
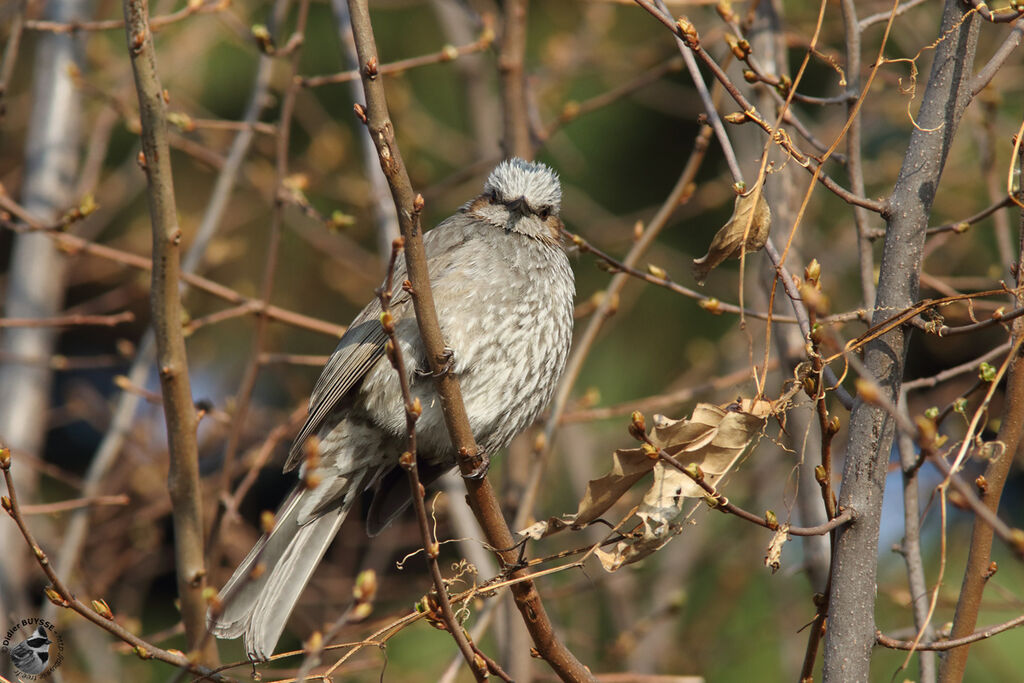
(504, 292)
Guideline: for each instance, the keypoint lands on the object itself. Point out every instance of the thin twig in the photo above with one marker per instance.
(810, 163)
(722, 503)
(74, 244)
(409, 463)
(955, 371)
(74, 504)
(952, 643)
(71, 320)
(661, 401)
(447, 53)
(156, 23)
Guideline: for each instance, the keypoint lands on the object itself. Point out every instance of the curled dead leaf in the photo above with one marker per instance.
(773, 556)
(539, 530)
(712, 438)
(749, 225)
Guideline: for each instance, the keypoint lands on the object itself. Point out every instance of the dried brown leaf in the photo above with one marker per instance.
(773, 556)
(713, 437)
(752, 218)
(539, 530)
(629, 465)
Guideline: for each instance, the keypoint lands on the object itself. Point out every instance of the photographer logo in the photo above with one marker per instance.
(34, 646)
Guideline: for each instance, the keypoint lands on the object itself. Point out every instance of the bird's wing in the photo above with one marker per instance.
(359, 349)
(362, 345)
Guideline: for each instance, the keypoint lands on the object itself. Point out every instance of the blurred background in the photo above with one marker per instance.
(612, 109)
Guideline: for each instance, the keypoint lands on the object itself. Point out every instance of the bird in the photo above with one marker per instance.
(31, 655)
(503, 288)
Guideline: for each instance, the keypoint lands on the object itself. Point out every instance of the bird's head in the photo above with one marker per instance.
(523, 197)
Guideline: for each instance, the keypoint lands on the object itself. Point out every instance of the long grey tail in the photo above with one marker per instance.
(258, 608)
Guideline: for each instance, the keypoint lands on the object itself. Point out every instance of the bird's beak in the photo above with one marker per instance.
(517, 205)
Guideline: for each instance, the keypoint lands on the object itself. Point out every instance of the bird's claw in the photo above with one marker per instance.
(448, 357)
(480, 471)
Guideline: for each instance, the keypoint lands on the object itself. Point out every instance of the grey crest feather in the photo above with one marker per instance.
(533, 181)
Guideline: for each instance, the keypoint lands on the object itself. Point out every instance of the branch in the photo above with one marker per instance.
(910, 547)
(109, 24)
(73, 244)
(36, 273)
(952, 643)
(850, 635)
(179, 411)
(887, 15)
(481, 496)
(71, 320)
(813, 166)
(854, 151)
(979, 558)
(516, 141)
(448, 53)
(408, 462)
(722, 503)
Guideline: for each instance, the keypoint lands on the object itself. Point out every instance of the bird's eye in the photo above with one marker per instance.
(544, 213)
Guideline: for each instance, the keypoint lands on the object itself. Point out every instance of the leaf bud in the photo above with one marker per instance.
(812, 272)
(100, 607)
(637, 428)
(657, 271)
(711, 305)
(53, 596)
(365, 588)
(688, 32)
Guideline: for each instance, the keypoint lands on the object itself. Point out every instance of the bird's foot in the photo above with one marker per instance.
(448, 358)
(480, 471)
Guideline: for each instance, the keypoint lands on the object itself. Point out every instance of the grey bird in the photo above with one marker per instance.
(31, 655)
(504, 292)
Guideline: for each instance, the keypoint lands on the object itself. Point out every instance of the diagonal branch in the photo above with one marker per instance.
(978, 570)
(481, 496)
